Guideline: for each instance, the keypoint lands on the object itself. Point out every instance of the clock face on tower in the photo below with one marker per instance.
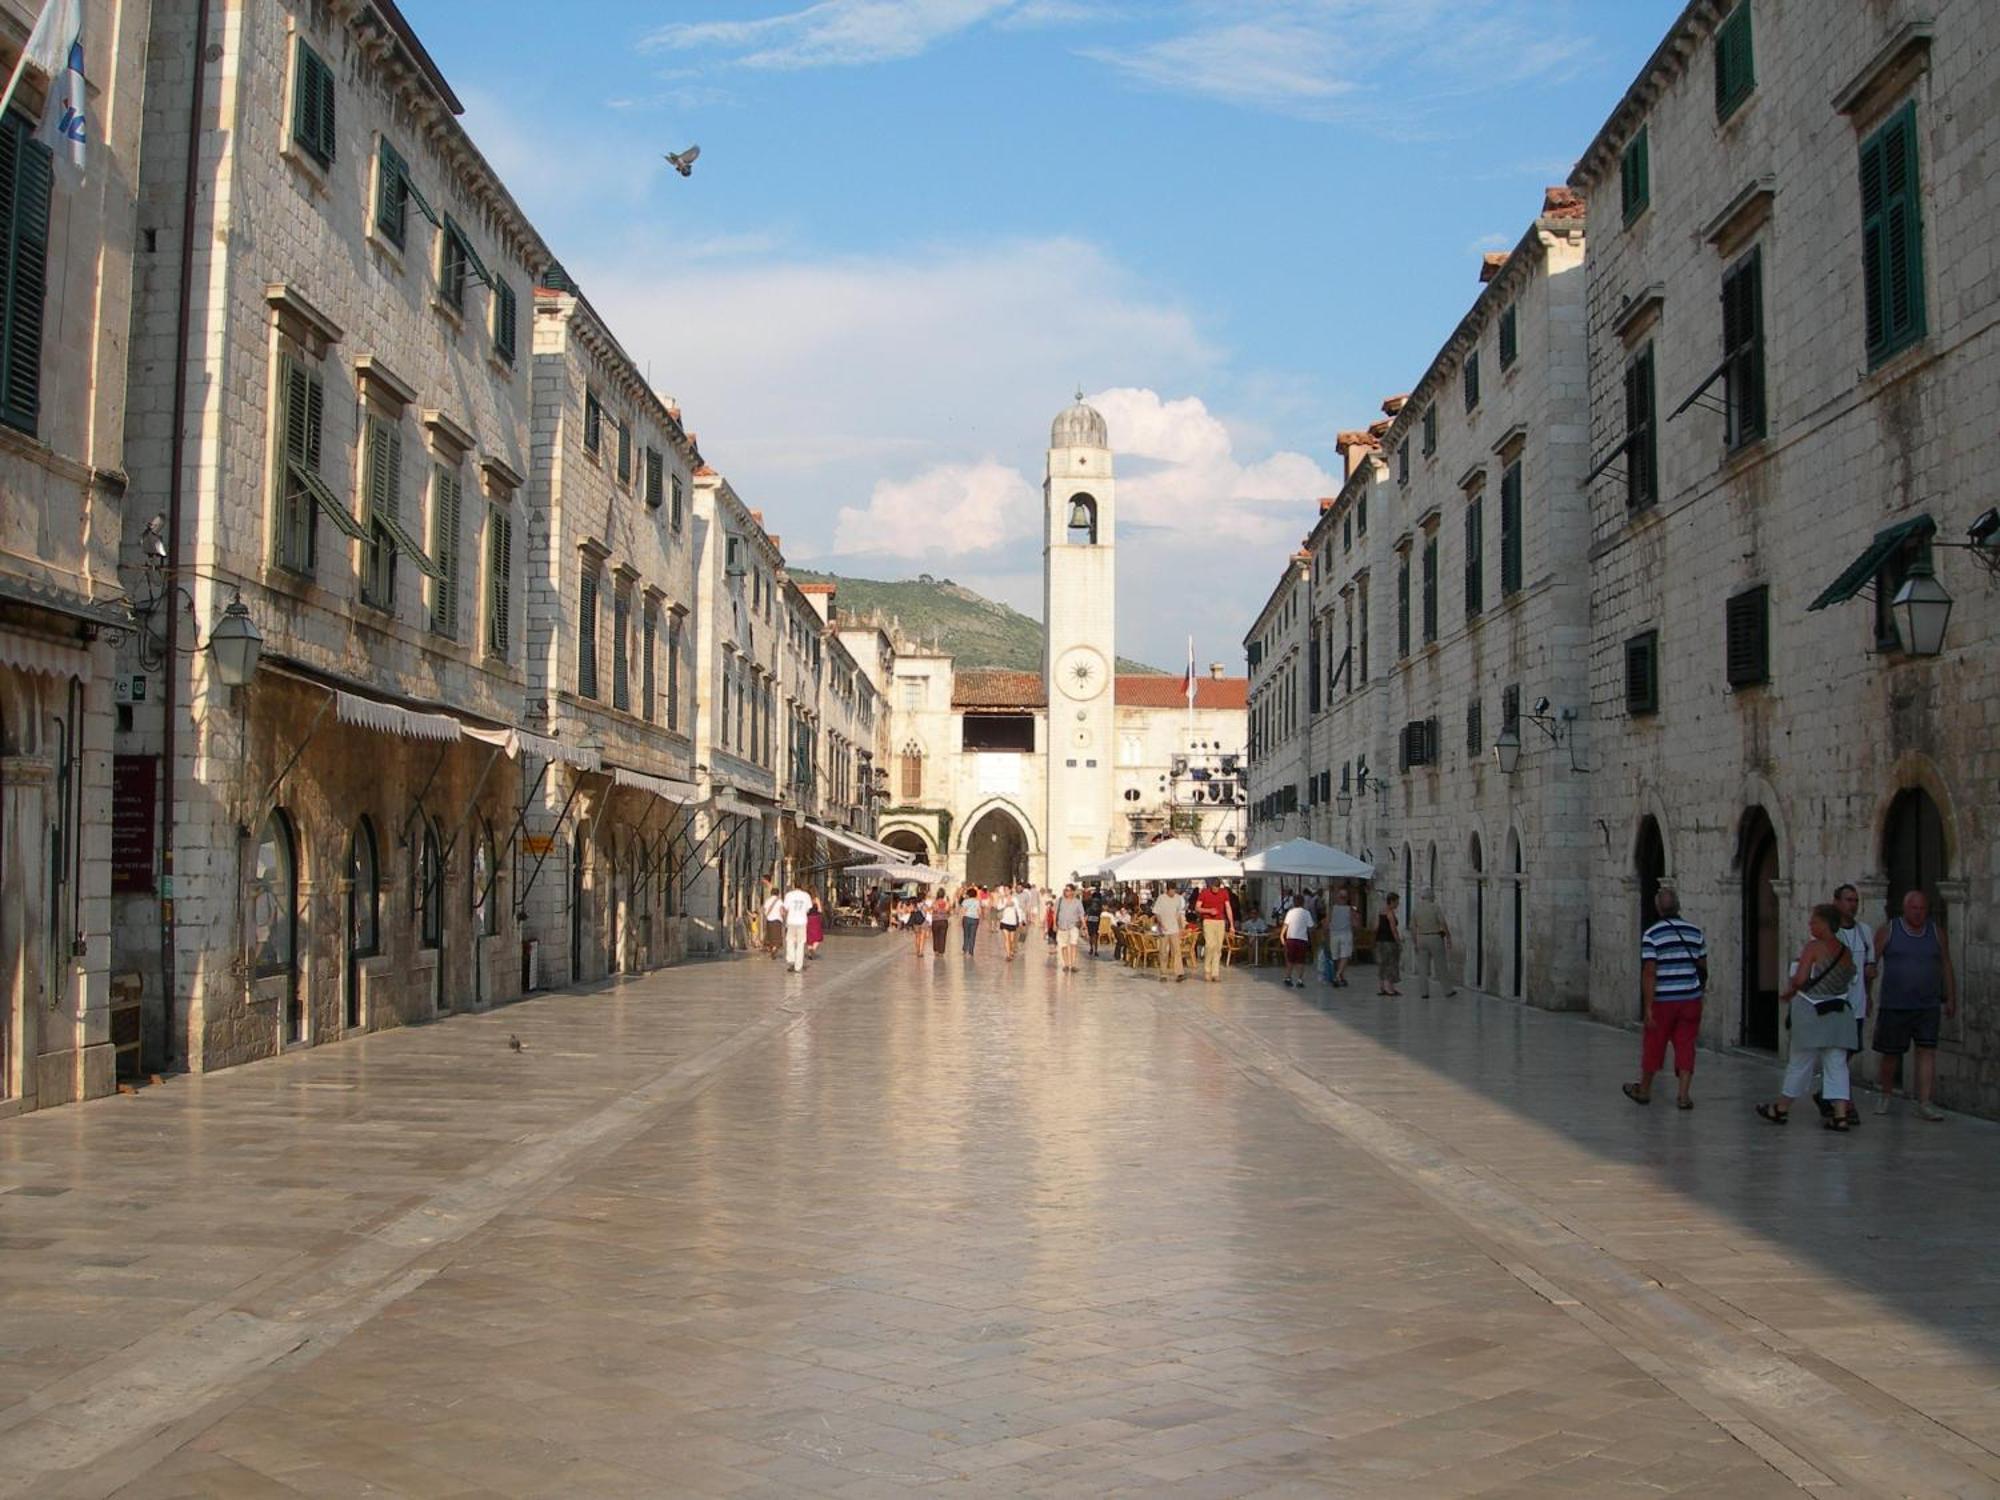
(1081, 673)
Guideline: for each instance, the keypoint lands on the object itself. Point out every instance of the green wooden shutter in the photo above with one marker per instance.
(586, 635)
(1747, 649)
(1641, 448)
(1642, 673)
(1510, 529)
(1743, 348)
(1735, 67)
(313, 115)
(1403, 606)
(499, 581)
(1472, 380)
(624, 451)
(302, 402)
(1635, 186)
(1892, 236)
(1475, 561)
(593, 423)
(392, 195)
(446, 515)
(25, 179)
(505, 317)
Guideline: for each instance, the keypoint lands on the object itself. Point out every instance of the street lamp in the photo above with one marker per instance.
(1507, 750)
(235, 644)
(1343, 801)
(1922, 608)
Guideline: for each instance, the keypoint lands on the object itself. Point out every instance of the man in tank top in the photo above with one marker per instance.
(1917, 987)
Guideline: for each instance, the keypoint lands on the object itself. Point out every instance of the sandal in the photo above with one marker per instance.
(1684, 1104)
(1835, 1122)
(1632, 1093)
(1772, 1113)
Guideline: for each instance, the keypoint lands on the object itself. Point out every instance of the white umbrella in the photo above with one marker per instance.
(1307, 858)
(1175, 859)
(898, 874)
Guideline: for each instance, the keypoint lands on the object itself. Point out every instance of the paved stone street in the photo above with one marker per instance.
(903, 1227)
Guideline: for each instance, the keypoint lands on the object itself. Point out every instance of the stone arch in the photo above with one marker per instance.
(1514, 871)
(996, 846)
(999, 804)
(1917, 771)
(1474, 954)
(908, 838)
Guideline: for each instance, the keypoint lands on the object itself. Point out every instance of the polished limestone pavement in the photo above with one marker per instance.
(907, 1226)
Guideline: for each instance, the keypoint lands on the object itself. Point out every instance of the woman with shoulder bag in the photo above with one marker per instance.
(1389, 946)
(1822, 1024)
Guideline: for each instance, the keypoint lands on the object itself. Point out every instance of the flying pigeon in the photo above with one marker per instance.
(683, 161)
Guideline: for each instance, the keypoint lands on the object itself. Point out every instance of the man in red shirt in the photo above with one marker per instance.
(1216, 921)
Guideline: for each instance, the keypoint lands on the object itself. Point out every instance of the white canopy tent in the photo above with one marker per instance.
(898, 873)
(1309, 860)
(1175, 859)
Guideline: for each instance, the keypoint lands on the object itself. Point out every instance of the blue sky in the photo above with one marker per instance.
(918, 225)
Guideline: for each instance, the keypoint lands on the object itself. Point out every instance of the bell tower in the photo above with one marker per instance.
(1080, 664)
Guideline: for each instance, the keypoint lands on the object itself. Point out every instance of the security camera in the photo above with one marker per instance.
(1541, 708)
(1983, 530)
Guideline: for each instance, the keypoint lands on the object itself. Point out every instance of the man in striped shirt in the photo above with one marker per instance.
(1673, 974)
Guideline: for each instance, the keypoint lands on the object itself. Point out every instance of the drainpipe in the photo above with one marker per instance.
(177, 453)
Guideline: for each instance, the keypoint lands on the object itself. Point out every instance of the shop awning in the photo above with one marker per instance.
(859, 844)
(1861, 572)
(33, 653)
(666, 789)
(387, 718)
(725, 803)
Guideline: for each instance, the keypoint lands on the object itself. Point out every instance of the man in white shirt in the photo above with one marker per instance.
(1298, 941)
(1861, 943)
(1171, 913)
(798, 907)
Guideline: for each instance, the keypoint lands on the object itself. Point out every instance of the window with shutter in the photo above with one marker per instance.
(1747, 617)
(586, 634)
(1743, 351)
(1510, 529)
(656, 473)
(674, 673)
(446, 515)
(1475, 557)
(499, 582)
(675, 510)
(382, 479)
(1403, 606)
(1735, 69)
(506, 320)
(1635, 174)
(1430, 430)
(1347, 533)
(621, 629)
(312, 105)
(392, 195)
(1642, 673)
(1472, 380)
(1510, 709)
(1361, 514)
(25, 182)
(648, 687)
(1642, 471)
(1361, 608)
(593, 424)
(1475, 737)
(624, 451)
(1510, 338)
(1892, 240)
(301, 413)
(452, 267)
(1403, 462)
(1430, 588)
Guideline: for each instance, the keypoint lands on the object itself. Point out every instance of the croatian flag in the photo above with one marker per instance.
(56, 47)
(1187, 682)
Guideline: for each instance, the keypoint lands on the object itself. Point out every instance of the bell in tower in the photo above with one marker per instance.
(1082, 527)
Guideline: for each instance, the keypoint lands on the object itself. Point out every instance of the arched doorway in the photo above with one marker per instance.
(273, 912)
(906, 842)
(996, 850)
(1913, 849)
(1517, 948)
(1649, 867)
(364, 914)
(1757, 866)
(1478, 915)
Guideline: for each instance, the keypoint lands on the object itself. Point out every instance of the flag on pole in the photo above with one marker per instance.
(1187, 682)
(55, 46)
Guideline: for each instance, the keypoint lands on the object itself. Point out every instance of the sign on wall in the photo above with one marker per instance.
(135, 797)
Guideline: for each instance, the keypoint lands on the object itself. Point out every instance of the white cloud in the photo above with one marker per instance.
(830, 34)
(949, 510)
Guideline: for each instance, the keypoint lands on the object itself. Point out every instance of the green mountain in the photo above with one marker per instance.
(977, 631)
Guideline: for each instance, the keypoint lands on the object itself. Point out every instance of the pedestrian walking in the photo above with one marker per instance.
(1067, 914)
(1297, 929)
(968, 919)
(940, 922)
(1861, 943)
(1340, 935)
(1389, 946)
(1216, 927)
(774, 922)
(815, 927)
(1917, 985)
(797, 909)
(1673, 977)
(917, 917)
(1433, 935)
(1171, 913)
(1820, 1021)
(1010, 920)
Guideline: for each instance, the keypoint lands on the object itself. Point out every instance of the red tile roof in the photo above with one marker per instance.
(995, 688)
(1162, 691)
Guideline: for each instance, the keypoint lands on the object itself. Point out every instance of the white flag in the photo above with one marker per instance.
(1187, 682)
(59, 53)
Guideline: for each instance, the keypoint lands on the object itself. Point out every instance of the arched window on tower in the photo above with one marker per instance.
(912, 762)
(1082, 524)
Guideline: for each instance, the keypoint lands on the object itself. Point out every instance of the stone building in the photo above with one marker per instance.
(1791, 299)
(1278, 783)
(65, 313)
(1449, 609)
(335, 399)
(1008, 776)
(609, 552)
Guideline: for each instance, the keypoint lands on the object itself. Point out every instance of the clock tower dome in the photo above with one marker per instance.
(1080, 663)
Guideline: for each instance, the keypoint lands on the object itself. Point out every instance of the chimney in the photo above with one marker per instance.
(1354, 449)
(1395, 404)
(1215, 670)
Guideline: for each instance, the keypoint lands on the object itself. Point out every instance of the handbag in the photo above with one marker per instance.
(1819, 991)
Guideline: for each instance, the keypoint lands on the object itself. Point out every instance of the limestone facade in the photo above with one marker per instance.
(67, 309)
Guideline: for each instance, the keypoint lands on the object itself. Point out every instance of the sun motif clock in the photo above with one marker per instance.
(1080, 673)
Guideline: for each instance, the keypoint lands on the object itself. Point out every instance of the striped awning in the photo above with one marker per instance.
(663, 787)
(34, 653)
